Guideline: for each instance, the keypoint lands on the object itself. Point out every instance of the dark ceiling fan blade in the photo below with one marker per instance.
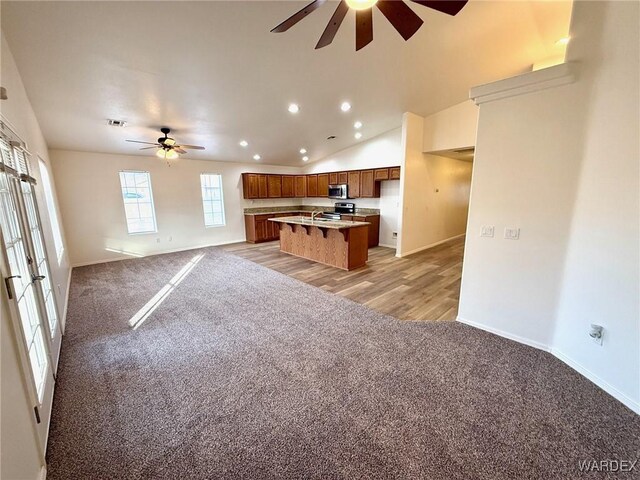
(333, 25)
(450, 7)
(296, 17)
(190, 147)
(404, 20)
(179, 150)
(137, 141)
(364, 28)
(147, 148)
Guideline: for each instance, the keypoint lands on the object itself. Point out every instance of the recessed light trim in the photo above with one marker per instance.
(358, 135)
(357, 125)
(345, 106)
(257, 157)
(244, 143)
(293, 108)
(303, 151)
(305, 159)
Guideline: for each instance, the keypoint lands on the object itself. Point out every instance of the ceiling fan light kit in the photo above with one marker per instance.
(166, 147)
(398, 13)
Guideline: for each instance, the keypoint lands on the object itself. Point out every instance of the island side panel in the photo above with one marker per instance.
(358, 247)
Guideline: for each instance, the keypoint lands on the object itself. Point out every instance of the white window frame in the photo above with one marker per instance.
(124, 205)
(54, 220)
(204, 201)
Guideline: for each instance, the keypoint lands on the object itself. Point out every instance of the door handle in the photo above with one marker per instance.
(35, 277)
(7, 283)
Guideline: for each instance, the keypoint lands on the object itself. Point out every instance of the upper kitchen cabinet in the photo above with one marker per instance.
(369, 188)
(254, 185)
(323, 184)
(274, 186)
(288, 190)
(312, 185)
(353, 181)
(362, 183)
(300, 186)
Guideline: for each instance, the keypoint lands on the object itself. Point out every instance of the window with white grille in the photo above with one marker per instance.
(212, 199)
(138, 202)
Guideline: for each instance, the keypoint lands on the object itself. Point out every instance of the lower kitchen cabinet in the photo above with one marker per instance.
(259, 229)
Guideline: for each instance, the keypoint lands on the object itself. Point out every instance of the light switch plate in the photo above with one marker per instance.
(487, 231)
(512, 233)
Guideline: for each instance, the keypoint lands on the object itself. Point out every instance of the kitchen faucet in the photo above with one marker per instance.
(314, 213)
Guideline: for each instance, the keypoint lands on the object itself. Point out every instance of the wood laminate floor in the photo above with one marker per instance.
(423, 286)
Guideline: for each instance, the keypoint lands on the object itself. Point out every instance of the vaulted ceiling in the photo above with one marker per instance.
(214, 73)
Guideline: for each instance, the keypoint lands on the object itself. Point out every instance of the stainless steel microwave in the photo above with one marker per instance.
(338, 191)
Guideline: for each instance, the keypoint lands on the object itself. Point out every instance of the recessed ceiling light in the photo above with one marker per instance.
(358, 135)
(305, 158)
(244, 143)
(345, 107)
(563, 41)
(303, 151)
(257, 157)
(293, 108)
(357, 125)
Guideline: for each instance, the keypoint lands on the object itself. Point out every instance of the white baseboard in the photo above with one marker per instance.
(385, 245)
(585, 372)
(504, 334)
(162, 252)
(406, 254)
(603, 384)
(43, 473)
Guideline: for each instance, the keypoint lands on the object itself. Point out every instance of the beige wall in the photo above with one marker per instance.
(601, 281)
(93, 213)
(20, 457)
(381, 151)
(454, 127)
(434, 189)
(561, 164)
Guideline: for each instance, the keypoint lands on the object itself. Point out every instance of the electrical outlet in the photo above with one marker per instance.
(512, 233)
(487, 231)
(170, 239)
(394, 235)
(158, 240)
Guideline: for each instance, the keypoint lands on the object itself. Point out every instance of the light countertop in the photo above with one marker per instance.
(320, 223)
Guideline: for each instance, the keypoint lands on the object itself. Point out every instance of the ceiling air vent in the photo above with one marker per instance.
(116, 123)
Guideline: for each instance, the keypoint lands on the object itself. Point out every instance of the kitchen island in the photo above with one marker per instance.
(339, 243)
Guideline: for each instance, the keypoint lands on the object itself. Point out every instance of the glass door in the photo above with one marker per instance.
(40, 267)
(24, 268)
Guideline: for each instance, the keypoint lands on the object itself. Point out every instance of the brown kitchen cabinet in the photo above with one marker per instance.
(300, 186)
(374, 227)
(258, 228)
(362, 183)
(323, 185)
(288, 190)
(274, 186)
(369, 188)
(353, 181)
(312, 185)
(254, 185)
(380, 174)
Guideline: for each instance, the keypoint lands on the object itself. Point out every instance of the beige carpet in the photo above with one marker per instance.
(242, 372)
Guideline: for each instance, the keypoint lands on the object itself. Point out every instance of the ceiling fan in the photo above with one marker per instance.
(404, 20)
(167, 147)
